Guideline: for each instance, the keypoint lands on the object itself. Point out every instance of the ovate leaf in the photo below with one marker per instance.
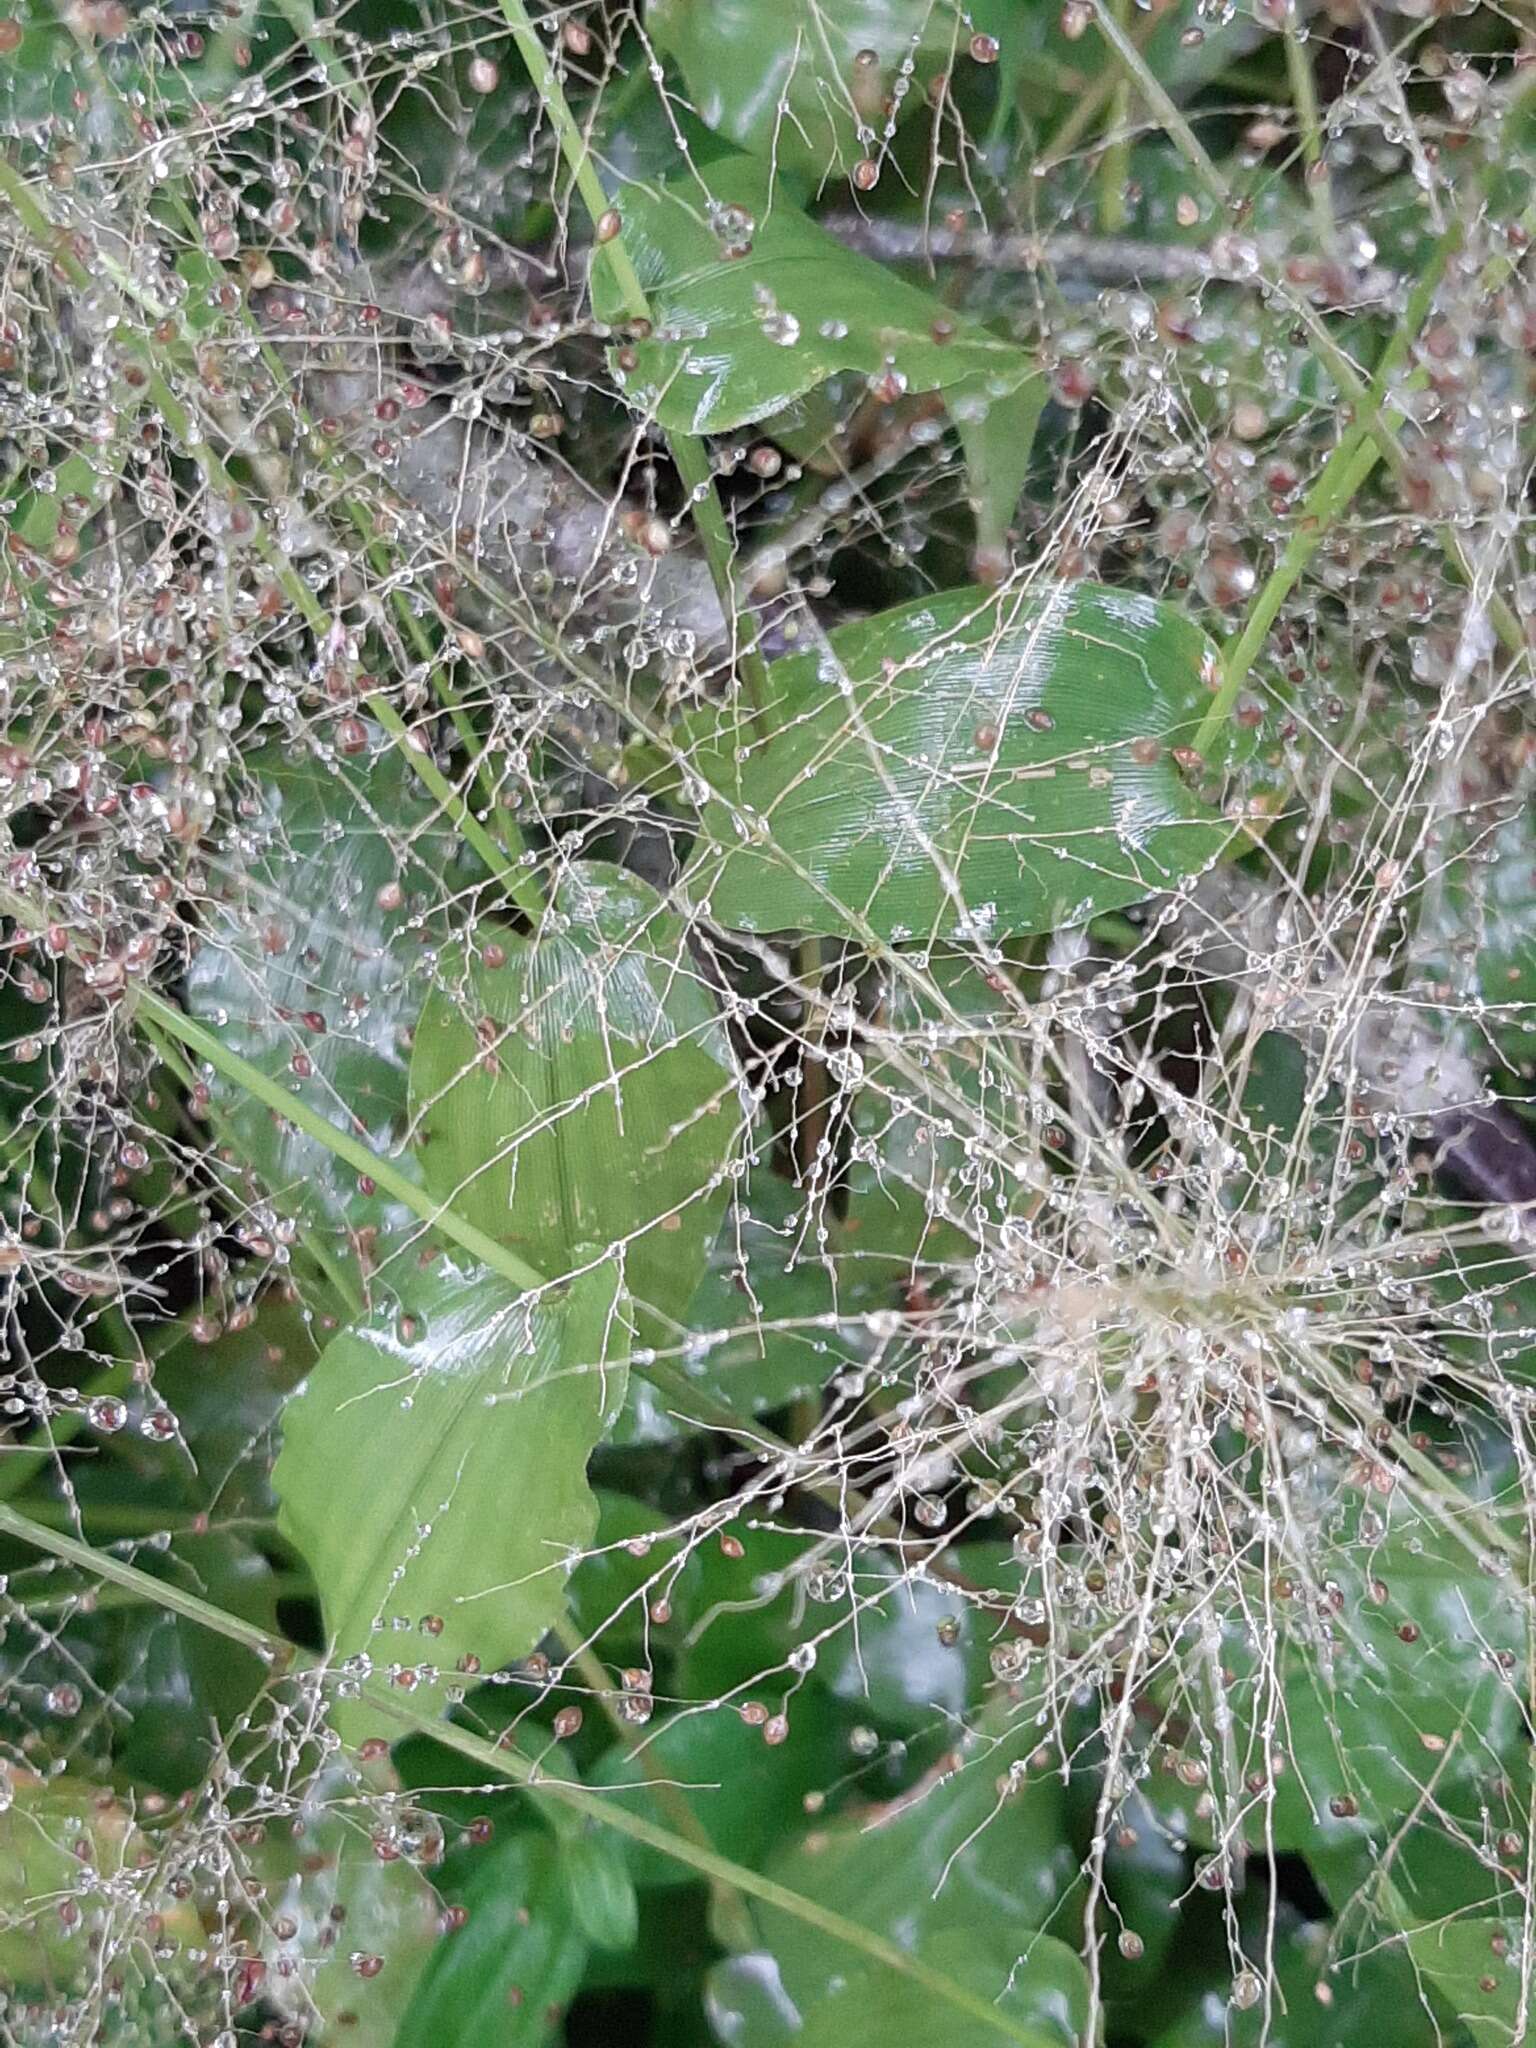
(505, 1976)
(981, 1848)
(1321, 1992)
(965, 766)
(576, 1087)
(804, 84)
(754, 305)
(308, 966)
(433, 1469)
(917, 1657)
(1486, 948)
(923, 1180)
(770, 1319)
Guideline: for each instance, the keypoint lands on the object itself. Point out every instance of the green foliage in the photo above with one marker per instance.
(756, 305)
(433, 1469)
(506, 1974)
(765, 1021)
(798, 84)
(595, 1041)
(964, 767)
(306, 969)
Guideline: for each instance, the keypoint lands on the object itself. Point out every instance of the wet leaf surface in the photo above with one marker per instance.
(798, 83)
(773, 1319)
(748, 1793)
(1323, 1995)
(964, 766)
(365, 1928)
(309, 968)
(1403, 1670)
(507, 1974)
(760, 307)
(978, 1851)
(576, 1087)
(434, 1466)
(932, 1126)
(1046, 2000)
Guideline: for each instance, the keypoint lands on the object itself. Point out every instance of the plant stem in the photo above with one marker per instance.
(1298, 64)
(346, 1147)
(1351, 462)
(733, 1915)
(689, 455)
(1115, 164)
(1338, 365)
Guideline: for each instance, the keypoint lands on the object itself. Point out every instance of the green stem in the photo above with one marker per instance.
(689, 455)
(352, 1150)
(1115, 164)
(282, 1656)
(331, 1272)
(1298, 64)
(1341, 476)
(732, 1915)
(1338, 365)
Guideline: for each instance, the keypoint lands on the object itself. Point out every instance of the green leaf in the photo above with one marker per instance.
(227, 1397)
(740, 336)
(1487, 952)
(1322, 1994)
(742, 1614)
(1489, 1291)
(747, 1794)
(1426, 1871)
(602, 1892)
(1272, 1075)
(629, 1563)
(1475, 1966)
(307, 971)
(1045, 1996)
(805, 85)
(504, 1978)
(433, 1469)
(68, 1841)
(1043, 1989)
(582, 1091)
(158, 1693)
(371, 1921)
(1147, 1880)
(770, 1319)
(916, 1658)
(980, 1848)
(1404, 1670)
(1447, 1903)
(997, 437)
(919, 1185)
(966, 765)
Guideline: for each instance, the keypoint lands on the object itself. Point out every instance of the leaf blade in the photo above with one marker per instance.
(581, 1091)
(757, 310)
(968, 766)
(433, 1468)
